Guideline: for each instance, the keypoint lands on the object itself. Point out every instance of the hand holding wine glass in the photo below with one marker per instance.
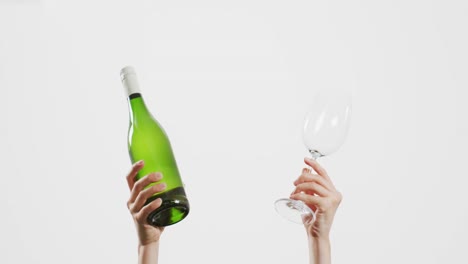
(317, 191)
(325, 128)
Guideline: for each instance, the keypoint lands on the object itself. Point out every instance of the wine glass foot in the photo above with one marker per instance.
(295, 211)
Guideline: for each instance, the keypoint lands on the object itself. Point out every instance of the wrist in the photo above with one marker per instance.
(150, 245)
(320, 243)
(148, 235)
(320, 239)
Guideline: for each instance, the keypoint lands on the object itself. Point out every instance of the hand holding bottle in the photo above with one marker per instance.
(147, 234)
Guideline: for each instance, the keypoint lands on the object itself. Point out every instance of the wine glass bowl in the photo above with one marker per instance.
(326, 125)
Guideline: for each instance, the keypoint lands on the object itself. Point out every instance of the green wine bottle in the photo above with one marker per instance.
(148, 141)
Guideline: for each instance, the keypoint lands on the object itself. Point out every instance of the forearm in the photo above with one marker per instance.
(148, 254)
(319, 250)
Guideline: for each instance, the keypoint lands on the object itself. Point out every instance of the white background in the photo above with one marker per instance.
(230, 82)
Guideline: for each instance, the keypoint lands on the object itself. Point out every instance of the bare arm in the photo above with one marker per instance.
(319, 251)
(148, 254)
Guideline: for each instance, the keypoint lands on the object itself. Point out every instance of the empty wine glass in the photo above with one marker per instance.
(325, 127)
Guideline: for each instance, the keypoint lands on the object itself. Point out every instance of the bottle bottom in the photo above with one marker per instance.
(174, 208)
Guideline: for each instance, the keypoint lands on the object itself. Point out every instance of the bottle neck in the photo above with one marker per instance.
(136, 104)
(137, 107)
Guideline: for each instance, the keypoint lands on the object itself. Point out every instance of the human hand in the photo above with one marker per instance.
(147, 234)
(318, 192)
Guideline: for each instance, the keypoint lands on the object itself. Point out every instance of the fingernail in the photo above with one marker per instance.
(140, 162)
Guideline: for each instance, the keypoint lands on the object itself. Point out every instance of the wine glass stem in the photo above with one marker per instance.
(315, 154)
